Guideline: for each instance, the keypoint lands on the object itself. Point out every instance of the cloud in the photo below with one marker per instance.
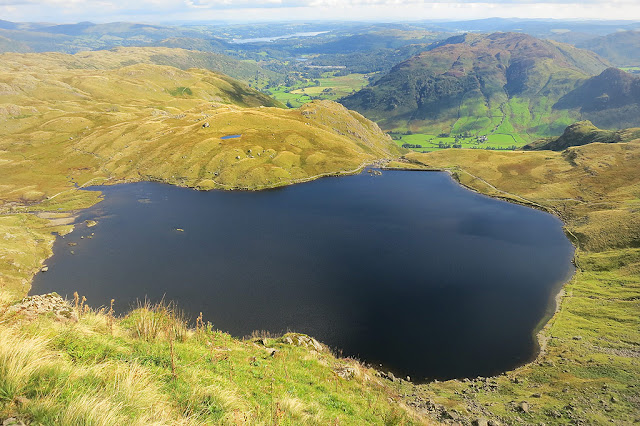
(261, 10)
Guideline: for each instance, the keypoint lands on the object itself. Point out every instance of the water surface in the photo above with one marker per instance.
(274, 38)
(406, 269)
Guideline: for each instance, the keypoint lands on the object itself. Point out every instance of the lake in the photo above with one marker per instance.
(408, 269)
(274, 38)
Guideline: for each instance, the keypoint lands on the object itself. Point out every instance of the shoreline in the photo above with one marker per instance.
(555, 298)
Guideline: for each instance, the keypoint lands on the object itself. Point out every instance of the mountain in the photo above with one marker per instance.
(621, 48)
(582, 133)
(610, 99)
(502, 82)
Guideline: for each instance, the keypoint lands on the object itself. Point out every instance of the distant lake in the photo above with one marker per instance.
(407, 269)
(270, 39)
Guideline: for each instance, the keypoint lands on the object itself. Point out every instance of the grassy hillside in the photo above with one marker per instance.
(582, 133)
(588, 370)
(67, 365)
(482, 84)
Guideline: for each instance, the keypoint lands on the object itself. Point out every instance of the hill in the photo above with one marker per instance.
(72, 38)
(610, 100)
(582, 133)
(157, 122)
(621, 48)
(123, 56)
(505, 82)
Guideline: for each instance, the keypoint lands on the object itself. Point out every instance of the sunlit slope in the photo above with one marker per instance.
(62, 127)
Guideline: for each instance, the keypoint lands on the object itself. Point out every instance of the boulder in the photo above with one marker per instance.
(346, 372)
(32, 306)
(299, 339)
(271, 351)
(12, 421)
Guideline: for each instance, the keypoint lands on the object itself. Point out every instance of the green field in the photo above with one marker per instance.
(631, 69)
(428, 143)
(329, 87)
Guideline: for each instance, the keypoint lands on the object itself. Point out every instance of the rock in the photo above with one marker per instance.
(536, 395)
(299, 339)
(271, 351)
(577, 337)
(524, 406)
(21, 400)
(44, 269)
(32, 306)
(346, 372)
(205, 125)
(493, 423)
(90, 223)
(480, 422)
(12, 421)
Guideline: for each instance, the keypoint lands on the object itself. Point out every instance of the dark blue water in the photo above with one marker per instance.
(407, 269)
(231, 137)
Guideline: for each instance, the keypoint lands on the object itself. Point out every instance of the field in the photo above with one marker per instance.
(588, 370)
(429, 143)
(329, 86)
(633, 70)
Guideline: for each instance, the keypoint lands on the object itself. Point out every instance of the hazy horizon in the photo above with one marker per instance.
(255, 11)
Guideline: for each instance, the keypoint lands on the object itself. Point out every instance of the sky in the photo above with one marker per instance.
(167, 11)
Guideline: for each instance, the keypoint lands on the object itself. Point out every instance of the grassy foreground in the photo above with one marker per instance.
(149, 368)
(589, 369)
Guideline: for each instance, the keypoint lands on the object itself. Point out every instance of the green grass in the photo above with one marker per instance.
(330, 87)
(430, 143)
(102, 373)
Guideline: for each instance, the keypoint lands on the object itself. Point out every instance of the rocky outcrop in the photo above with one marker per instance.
(33, 306)
(298, 339)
